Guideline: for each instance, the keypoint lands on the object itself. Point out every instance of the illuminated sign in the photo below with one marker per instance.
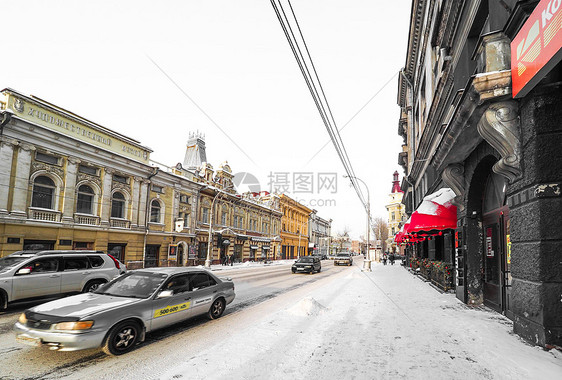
(537, 48)
(35, 113)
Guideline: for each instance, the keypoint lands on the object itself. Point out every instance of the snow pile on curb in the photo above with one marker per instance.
(306, 307)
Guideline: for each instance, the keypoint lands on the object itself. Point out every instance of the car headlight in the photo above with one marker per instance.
(22, 319)
(76, 325)
(309, 266)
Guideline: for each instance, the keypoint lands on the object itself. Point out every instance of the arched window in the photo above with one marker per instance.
(155, 211)
(118, 205)
(85, 200)
(43, 192)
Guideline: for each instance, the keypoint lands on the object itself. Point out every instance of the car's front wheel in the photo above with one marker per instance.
(92, 285)
(217, 308)
(121, 338)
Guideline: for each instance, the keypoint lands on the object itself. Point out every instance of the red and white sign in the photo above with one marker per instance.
(537, 48)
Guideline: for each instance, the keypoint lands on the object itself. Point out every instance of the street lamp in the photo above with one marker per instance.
(367, 265)
(210, 241)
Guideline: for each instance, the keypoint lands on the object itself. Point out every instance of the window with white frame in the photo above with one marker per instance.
(155, 211)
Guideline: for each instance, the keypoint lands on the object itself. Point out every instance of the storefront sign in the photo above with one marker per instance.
(489, 246)
(508, 243)
(35, 113)
(192, 255)
(172, 251)
(537, 48)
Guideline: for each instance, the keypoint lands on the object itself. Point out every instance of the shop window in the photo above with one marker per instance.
(155, 211)
(202, 250)
(151, 256)
(85, 200)
(37, 245)
(118, 205)
(117, 250)
(43, 192)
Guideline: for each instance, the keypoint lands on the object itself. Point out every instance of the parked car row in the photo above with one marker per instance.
(116, 308)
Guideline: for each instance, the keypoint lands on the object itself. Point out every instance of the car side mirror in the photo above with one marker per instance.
(165, 294)
(23, 271)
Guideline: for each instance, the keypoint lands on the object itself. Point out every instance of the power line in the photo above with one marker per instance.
(318, 96)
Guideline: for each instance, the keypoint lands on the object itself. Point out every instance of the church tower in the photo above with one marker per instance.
(195, 154)
(396, 211)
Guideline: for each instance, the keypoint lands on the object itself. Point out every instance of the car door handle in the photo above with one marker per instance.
(214, 291)
(188, 298)
(85, 273)
(54, 275)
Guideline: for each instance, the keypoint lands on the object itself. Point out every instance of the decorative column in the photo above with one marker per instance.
(6, 156)
(143, 202)
(21, 183)
(69, 198)
(106, 196)
(135, 202)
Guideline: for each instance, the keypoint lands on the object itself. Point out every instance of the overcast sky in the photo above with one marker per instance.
(128, 66)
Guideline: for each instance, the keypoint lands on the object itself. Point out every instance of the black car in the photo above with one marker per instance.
(307, 264)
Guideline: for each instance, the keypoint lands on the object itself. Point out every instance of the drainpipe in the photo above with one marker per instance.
(155, 171)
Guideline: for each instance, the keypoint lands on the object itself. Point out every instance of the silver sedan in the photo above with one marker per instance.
(118, 314)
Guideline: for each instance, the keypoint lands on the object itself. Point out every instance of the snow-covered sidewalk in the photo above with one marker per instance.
(384, 324)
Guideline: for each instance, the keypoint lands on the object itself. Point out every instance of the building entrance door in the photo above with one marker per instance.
(497, 247)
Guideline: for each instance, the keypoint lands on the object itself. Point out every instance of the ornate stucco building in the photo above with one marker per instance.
(469, 126)
(320, 231)
(69, 183)
(294, 228)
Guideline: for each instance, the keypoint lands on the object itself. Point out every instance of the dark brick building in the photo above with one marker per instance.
(463, 129)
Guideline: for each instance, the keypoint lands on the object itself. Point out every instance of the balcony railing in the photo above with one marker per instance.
(119, 223)
(44, 214)
(91, 220)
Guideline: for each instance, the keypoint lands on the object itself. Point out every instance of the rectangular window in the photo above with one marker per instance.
(120, 178)
(47, 158)
(205, 215)
(13, 240)
(88, 170)
(223, 219)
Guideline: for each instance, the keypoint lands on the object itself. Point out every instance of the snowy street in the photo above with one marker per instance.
(341, 323)
(368, 325)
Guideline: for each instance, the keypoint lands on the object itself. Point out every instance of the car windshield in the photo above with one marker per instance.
(133, 284)
(305, 260)
(9, 262)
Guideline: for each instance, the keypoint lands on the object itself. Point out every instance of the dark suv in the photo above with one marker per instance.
(32, 274)
(307, 264)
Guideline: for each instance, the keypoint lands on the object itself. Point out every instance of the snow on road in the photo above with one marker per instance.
(384, 324)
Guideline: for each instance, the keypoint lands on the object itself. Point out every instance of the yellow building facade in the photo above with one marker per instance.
(294, 228)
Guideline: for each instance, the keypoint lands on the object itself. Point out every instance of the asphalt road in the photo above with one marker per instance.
(254, 286)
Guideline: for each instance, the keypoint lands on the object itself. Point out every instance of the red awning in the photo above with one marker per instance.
(435, 213)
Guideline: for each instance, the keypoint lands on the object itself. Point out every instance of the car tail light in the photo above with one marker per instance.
(115, 261)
